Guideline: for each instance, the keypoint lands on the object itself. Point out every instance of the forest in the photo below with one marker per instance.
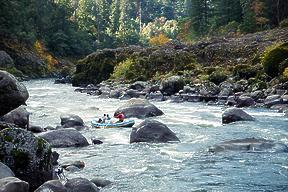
(78, 27)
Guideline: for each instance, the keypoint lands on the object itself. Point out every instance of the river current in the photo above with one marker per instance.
(169, 167)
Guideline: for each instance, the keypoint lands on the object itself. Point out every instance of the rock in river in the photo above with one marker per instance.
(12, 93)
(152, 131)
(81, 184)
(139, 108)
(234, 114)
(65, 138)
(71, 121)
(18, 117)
(27, 156)
(250, 144)
(13, 184)
(52, 186)
(5, 171)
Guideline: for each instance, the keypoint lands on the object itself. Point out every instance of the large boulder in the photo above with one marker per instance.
(245, 101)
(249, 144)
(5, 60)
(65, 138)
(5, 171)
(234, 114)
(18, 117)
(27, 156)
(71, 121)
(138, 85)
(139, 108)
(52, 186)
(152, 131)
(172, 85)
(12, 93)
(81, 184)
(13, 184)
(208, 89)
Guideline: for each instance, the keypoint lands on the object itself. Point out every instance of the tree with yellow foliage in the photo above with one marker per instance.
(159, 40)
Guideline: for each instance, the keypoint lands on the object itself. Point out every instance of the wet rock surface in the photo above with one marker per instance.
(234, 114)
(12, 93)
(28, 157)
(65, 138)
(152, 131)
(139, 108)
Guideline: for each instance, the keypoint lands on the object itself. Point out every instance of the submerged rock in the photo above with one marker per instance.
(234, 114)
(139, 108)
(152, 131)
(5, 171)
(81, 184)
(28, 157)
(250, 144)
(78, 164)
(65, 138)
(12, 93)
(13, 184)
(99, 182)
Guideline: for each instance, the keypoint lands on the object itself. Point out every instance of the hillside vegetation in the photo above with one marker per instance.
(245, 57)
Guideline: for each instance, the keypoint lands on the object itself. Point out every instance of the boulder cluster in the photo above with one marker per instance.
(174, 89)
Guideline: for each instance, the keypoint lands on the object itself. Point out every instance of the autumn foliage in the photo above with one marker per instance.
(45, 55)
(159, 40)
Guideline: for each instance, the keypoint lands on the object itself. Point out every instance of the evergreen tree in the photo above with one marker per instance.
(115, 16)
(199, 11)
(248, 24)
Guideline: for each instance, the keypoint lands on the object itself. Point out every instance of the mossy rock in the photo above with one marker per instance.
(217, 77)
(27, 156)
(272, 59)
(245, 71)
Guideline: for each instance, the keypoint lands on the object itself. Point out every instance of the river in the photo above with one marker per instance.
(169, 167)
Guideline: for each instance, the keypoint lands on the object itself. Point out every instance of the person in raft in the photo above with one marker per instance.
(120, 116)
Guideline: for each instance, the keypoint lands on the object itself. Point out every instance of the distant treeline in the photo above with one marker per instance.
(77, 27)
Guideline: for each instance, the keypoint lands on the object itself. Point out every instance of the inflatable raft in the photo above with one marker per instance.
(125, 123)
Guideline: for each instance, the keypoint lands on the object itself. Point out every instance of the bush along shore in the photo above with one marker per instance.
(251, 70)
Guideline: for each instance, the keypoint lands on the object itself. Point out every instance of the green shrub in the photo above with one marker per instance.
(272, 58)
(209, 70)
(13, 71)
(126, 70)
(65, 71)
(244, 71)
(284, 23)
(217, 77)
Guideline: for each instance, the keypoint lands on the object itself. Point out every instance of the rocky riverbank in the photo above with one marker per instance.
(18, 144)
(230, 93)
